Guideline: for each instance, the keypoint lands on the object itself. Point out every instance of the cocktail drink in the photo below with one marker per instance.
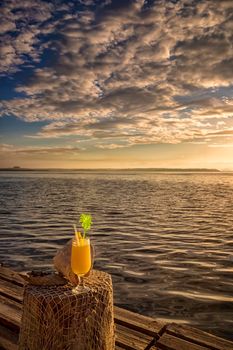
(81, 256)
(81, 253)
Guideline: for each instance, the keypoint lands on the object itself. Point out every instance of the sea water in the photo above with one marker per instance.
(166, 238)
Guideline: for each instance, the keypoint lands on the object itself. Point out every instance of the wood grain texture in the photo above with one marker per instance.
(11, 290)
(169, 342)
(130, 339)
(199, 337)
(10, 313)
(12, 276)
(134, 321)
(8, 339)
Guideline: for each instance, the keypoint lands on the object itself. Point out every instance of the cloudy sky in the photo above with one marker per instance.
(116, 83)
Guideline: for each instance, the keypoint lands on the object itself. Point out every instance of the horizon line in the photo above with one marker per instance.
(18, 168)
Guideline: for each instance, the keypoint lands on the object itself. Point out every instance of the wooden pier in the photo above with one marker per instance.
(133, 331)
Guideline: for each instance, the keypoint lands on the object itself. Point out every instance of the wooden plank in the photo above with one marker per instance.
(12, 276)
(8, 339)
(11, 290)
(131, 340)
(132, 320)
(199, 337)
(13, 303)
(169, 342)
(10, 313)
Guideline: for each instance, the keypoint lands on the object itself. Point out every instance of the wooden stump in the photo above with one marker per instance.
(55, 319)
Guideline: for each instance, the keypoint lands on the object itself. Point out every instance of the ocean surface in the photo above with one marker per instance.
(166, 238)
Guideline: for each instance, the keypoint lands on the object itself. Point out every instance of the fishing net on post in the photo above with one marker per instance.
(56, 319)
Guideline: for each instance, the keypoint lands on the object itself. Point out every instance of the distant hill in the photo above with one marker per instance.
(170, 169)
(17, 168)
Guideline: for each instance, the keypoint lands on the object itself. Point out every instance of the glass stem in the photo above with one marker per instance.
(81, 281)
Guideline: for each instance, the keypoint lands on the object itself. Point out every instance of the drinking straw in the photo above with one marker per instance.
(76, 234)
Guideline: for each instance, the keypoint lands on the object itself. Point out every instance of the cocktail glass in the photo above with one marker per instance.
(81, 262)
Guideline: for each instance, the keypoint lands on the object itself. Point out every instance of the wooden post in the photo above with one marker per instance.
(56, 319)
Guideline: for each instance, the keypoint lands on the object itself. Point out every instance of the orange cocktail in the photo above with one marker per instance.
(81, 256)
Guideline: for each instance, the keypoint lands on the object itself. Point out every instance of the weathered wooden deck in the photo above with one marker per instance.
(133, 331)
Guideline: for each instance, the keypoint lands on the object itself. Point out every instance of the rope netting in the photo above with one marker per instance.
(56, 319)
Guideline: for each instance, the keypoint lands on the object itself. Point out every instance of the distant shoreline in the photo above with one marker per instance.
(159, 170)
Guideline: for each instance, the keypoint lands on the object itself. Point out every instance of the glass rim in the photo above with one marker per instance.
(86, 240)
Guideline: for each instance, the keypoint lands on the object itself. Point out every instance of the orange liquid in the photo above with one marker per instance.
(81, 257)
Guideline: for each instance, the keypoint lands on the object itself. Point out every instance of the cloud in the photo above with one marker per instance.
(222, 133)
(225, 145)
(135, 72)
(7, 149)
(20, 27)
(112, 146)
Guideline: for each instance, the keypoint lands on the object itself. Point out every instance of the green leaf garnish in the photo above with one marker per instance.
(86, 222)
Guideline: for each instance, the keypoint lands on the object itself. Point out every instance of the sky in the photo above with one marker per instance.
(116, 84)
